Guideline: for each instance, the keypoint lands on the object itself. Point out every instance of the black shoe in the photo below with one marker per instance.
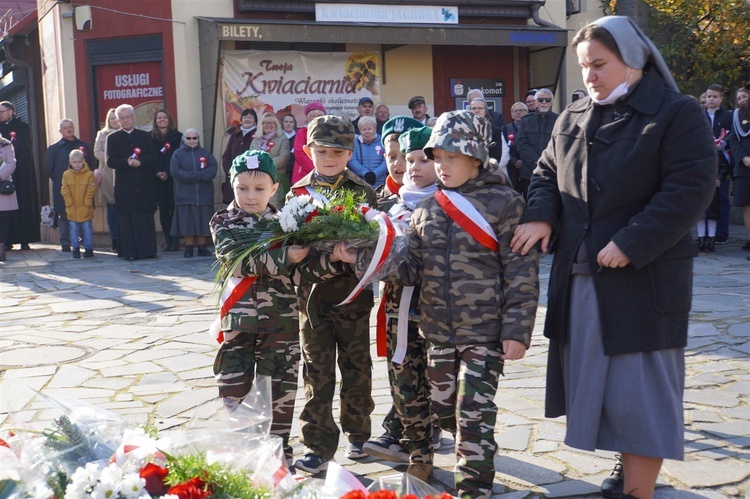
(188, 252)
(746, 246)
(612, 486)
(701, 242)
(76, 253)
(710, 244)
(203, 251)
(25, 247)
(721, 240)
(311, 464)
(66, 248)
(355, 450)
(175, 246)
(114, 245)
(88, 254)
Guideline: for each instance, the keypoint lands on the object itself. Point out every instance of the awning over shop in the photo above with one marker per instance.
(213, 31)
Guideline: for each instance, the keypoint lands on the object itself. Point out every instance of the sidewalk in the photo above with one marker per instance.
(131, 337)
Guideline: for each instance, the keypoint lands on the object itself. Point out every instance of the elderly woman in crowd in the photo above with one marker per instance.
(272, 140)
(625, 177)
(8, 202)
(368, 159)
(106, 190)
(499, 150)
(239, 142)
(193, 169)
(509, 134)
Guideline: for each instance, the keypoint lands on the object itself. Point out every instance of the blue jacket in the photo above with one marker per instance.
(193, 183)
(369, 158)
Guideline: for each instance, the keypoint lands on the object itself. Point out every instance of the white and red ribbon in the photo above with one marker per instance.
(167, 147)
(235, 289)
(203, 162)
(387, 234)
(307, 190)
(136, 153)
(12, 135)
(461, 211)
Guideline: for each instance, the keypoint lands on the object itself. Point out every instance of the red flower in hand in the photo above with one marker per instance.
(313, 214)
(154, 476)
(195, 488)
(354, 494)
(337, 209)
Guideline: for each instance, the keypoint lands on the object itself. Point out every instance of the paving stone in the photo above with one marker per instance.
(711, 397)
(583, 462)
(529, 471)
(184, 401)
(515, 438)
(707, 473)
(570, 488)
(706, 416)
(126, 369)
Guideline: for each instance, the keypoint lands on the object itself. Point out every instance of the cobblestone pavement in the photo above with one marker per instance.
(131, 338)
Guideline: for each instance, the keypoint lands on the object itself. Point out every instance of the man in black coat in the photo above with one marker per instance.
(720, 121)
(534, 133)
(56, 163)
(24, 223)
(135, 159)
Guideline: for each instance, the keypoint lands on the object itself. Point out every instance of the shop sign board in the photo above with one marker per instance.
(286, 81)
(138, 84)
(385, 14)
(490, 87)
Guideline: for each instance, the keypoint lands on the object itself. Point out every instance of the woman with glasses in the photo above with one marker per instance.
(166, 139)
(193, 169)
(626, 175)
(509, 134)
(272, 139)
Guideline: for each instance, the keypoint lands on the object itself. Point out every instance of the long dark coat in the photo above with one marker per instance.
(56, 162)
(134, 187)
(641, 181)
(24, 223)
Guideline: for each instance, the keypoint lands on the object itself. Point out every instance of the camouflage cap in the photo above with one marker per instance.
(331, 131)
(414, 139)
(399, 125)
(253, 160)
(462, 132)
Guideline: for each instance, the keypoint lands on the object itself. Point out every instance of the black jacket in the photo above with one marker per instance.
(534, 132)
(641, 181)
(134, 187)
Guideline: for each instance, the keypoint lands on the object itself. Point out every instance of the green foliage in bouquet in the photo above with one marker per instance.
(67, 437)
(223, 482)
(303, 221)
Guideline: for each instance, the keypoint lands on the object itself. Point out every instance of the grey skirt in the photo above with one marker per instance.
(190, 220)
(628, 403)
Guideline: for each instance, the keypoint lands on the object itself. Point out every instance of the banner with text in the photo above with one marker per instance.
(138, 84)
(286, 81)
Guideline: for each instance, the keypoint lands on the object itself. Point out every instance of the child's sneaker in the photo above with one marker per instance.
(437, 436)
(76, 253)
(354, 450)
(311, 464)
(88, 254)
(386, 447)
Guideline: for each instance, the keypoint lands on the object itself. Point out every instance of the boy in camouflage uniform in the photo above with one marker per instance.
(261, 331)
(478, 299)
(326, 329)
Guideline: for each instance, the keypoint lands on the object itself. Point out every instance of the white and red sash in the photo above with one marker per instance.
(235, 289)
(307, 190)
(461, 211)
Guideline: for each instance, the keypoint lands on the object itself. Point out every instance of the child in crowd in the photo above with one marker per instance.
(409, 422)
(261, 330)
(327, 330)
(367, 158)
(477, 299)
(394, 159)
(78, 189)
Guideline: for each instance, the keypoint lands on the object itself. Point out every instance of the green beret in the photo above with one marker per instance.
(399, 125)
(331, 131)
(253, 160)
(414, 139)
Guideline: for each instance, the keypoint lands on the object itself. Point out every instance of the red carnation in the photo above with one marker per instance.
(154, 476)
(338, 209)
(354, 494)
(195, 488)
(383, 494)
(313, 214)
(270, 145)
(409, 496)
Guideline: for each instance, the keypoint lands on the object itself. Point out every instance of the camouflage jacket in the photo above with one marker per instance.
(322, 298)
(471, 294)
(270, 305)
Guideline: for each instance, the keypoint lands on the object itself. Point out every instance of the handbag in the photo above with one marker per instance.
(7, 187)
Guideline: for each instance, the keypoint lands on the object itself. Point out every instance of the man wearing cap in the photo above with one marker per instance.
(418, 108)
(332, 334)
(366, 107)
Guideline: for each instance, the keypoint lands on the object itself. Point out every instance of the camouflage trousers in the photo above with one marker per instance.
(277, 355)
(464, 382)
(410, 419)
(343, 340)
